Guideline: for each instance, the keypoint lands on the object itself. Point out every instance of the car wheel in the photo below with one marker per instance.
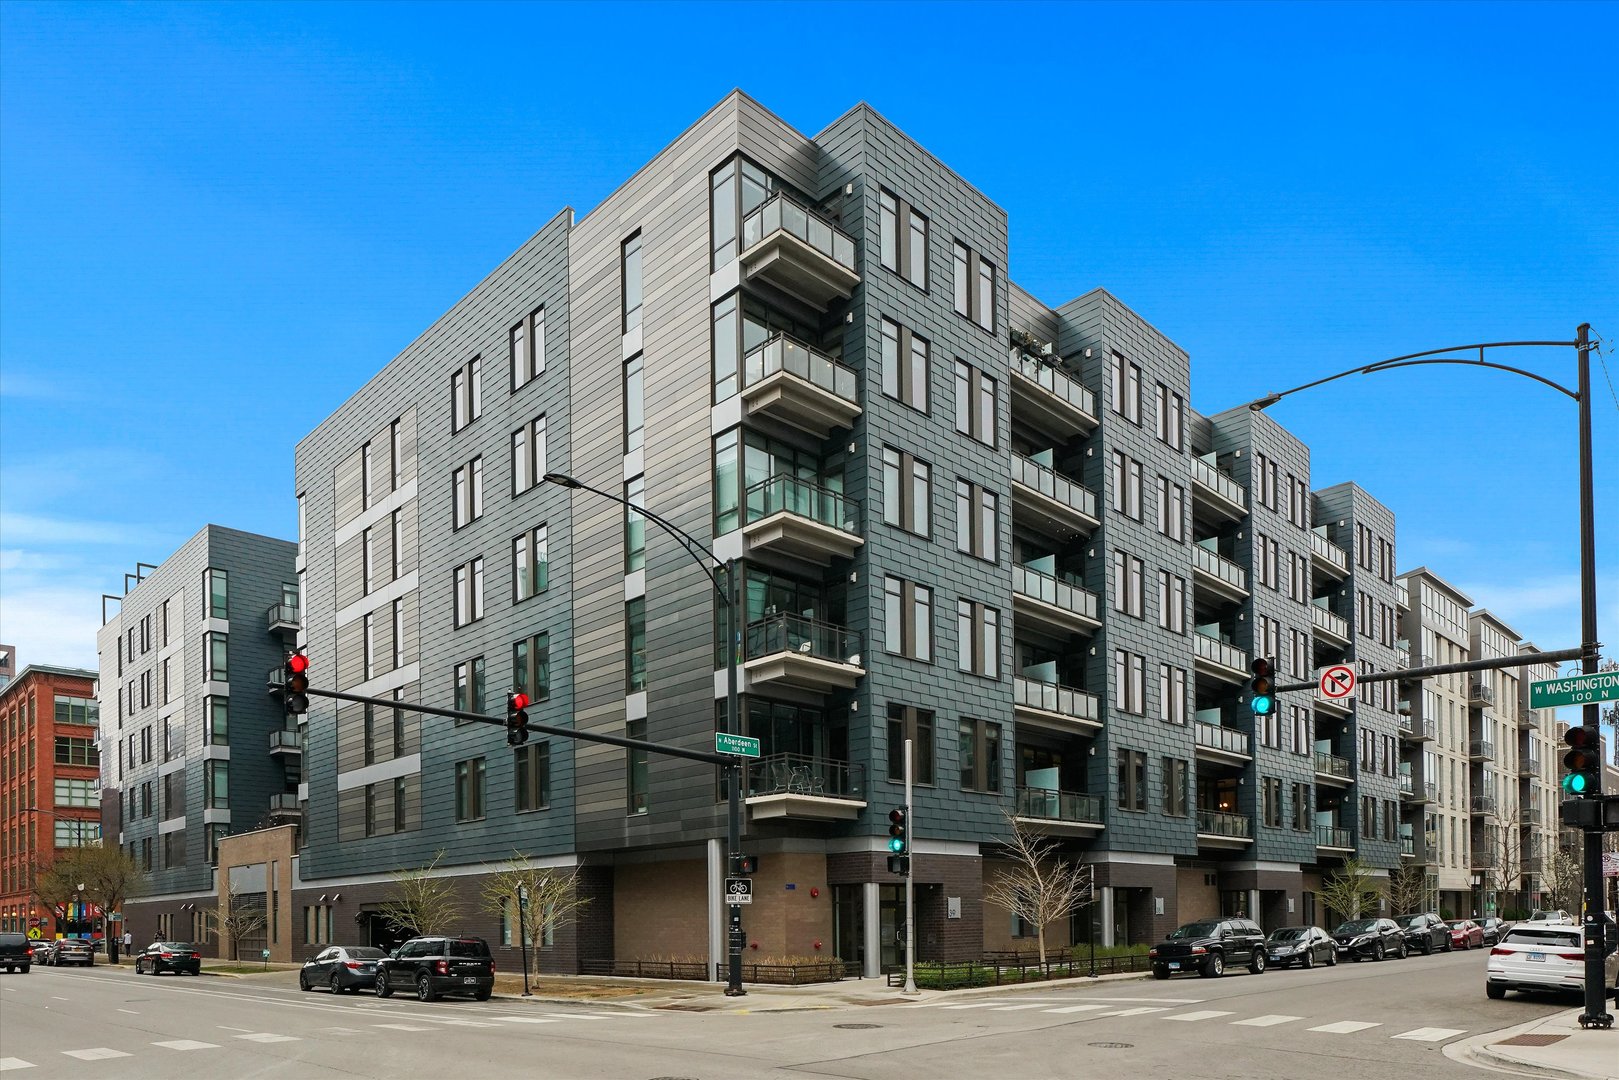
(1494, 992)
(1160, 973)
(424, 989)
(1256, 965)
(303, 984)
(1309, 958)
(1427, 947)
(1332, 958)
(382, 987)
(482, 995)
(1449, 945)
(1377, 951)
(1405, 950)
(337, 984)
(1214, 966)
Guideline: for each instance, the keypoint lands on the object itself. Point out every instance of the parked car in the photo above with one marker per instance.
(16, 952)
(1540, 956)
(1424, 933)
(1374, 939)
(438, 965)
(1466, 934)
(176, 956)
(1494, 929)
(1554, 917)
(1209, 947)
(1301, 945)
(340, 968)
(71, 951)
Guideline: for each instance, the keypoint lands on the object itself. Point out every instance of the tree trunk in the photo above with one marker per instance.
(1040, 937)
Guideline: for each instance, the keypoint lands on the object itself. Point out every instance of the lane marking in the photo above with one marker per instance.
(977, 1005)
(186, 1044)
(1201, 1014)
(578, 1016)
(1266, 1021)
(1430, 1034)
(1345, 1027)
(401, 1027)
(525, 1020)
(1139, 1010)
(131, 1012)
(269, 1037)
(7, 1064)
(55, 998)
(227, 1027)
(99, 1053)
(461, 1023)
(1076, 1009)
(1150, 1000)
(1019, 1008)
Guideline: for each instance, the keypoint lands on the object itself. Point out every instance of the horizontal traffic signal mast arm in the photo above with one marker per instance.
(1523, 660)
(542, 729)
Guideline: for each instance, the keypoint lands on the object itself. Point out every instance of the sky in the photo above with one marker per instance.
(217, 221)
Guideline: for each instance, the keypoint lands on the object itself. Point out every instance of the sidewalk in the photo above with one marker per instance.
(1554, 1045)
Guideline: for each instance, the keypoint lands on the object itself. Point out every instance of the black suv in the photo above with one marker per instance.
(1209, 947)
(16, 951)
(433, 966)
(1425, 933)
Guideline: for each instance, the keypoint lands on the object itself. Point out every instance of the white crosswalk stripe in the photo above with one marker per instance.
(1139, 1010)
(1430, 1034)
(1269, 1020)
(187, 1044)
(526, 1019)
(7, 1064)
(1020, 1008)
(98, 1053)
(1076, 1009)
(1345, 1027)
(1201, 1014)
(268, 1037)
(401, 1027)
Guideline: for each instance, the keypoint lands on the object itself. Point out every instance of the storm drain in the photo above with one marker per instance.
(1112, 1045)
(1531, 1040)
(856, 1027)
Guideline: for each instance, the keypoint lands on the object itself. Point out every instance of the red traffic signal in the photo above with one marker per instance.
(295, 686)
(516, 719)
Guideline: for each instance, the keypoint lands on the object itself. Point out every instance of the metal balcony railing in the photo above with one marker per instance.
(1053, 485)
(1053, 590)
(1218, 652)
(279, 615)
(805, 498)
(1219, 823)
(1329, 551)
(1076, 806)
(1481, 749)
(1408, 846)
(1481, 693)
(1407, 785)
(798, 774)
(1219, 566)
(1331, 836)
(1333, 765)
(1223, 485)
(1529, 815)
(1529, 719)
(1323, 619)
(1054, 380)
(782, 211)
(1482, 804)
(1054, 698)
(1528, 767)
(782, 353)
(1416, 727)
(804, 636)
(1215, 737)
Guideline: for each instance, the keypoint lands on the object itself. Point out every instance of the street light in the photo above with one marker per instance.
(727, 593)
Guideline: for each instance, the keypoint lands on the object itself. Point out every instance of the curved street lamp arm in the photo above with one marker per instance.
(694, 547)
(1419, 358)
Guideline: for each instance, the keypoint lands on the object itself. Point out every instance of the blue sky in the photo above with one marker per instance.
(204, 205)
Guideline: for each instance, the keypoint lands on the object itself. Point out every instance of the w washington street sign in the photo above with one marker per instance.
(1575, 690)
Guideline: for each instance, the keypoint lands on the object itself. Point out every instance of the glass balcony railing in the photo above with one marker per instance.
(1481, 749)
(1073, 806)
(1053, 485)
(282, 739)
(1482, 804)
(1329, 551)
(1481, 855)
(1053, 590)
(1480, 693)
(1332, 836)
(783, 212)
(1422, 792)
(1408, 846)
(286, 615)
(1222, 485)
(782, 353)
(1402, 595)
(1217, 565)
(1529, 815)
(1054, 698)
(1528, 767)
(1323, 619)
(1054, 380)
(1219, 823)
(804, 636)
(1218, 652)
(1416, 727)
(797, 774)
(1333, 765)
(1529, 719)
(1215, 737)
(284, 802)
(1407, 785)
(1532, 863)
(805, 498)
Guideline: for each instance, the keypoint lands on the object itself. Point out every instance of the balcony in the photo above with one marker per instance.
(286, 742)
(800, 519)
(1528, 719)
(1216, 658)
(802, 653)
(1216, 828)
(1481, 750)
(1408, 847)
(1402, 596)
(1056, 605)
(1051, 503)
(1329, 627)
(1420, 793)
(788, 381)
(800, 252)
(1407, 784)
(1483, 805)
(1328, 557)
(1402, 657)
(1531, 864)
(1218, 574)
(1482, 858)
(1529, 815)
(1214, 491)
(792, 786)
(1528, 768)
(1480, 694)
(285, 804)
(1059, 811)
(1049, 398)
(1332, 769)
(1053, 706)
(283, 619)
(1333, 838)
(1416, 729)
(1338, 707)
(1221, 743)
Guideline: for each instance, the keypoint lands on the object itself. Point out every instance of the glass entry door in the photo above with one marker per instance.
(891, 916)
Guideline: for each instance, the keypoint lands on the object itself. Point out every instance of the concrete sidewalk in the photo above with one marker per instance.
(1554, 1045)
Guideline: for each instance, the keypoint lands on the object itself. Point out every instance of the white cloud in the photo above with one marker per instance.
(52, 625)
(40, 529)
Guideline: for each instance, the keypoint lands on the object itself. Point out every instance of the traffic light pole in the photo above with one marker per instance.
(910, 871)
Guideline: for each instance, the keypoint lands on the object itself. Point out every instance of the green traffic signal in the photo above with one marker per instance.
(1261, 698)
(1582, 761)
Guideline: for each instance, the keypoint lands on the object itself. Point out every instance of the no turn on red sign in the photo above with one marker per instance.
(1337, 681)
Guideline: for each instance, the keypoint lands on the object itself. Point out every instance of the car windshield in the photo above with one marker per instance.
(1406, 920)
(1357, 926)
(176, 946)
(1291, 933)
(1195, 930)
(366, 954)
(469, 949)
(1567, 938)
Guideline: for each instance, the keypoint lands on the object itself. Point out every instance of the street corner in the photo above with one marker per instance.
(1550, 1046)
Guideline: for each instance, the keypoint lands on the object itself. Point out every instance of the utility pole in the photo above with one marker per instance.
(910, 871)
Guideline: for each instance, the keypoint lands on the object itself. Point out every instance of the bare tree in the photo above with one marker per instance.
(236, 919)
(108, 876)
(553, 897)
(1408, 890)
(1349, 890)
(1038, 887)
(1505, 874)
(422, 902)
(1564, 877)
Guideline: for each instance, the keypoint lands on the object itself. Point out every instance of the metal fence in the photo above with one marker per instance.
(1009, 969)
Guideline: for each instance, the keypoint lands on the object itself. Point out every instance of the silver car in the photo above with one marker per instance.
(72, 951)
(1545, 957)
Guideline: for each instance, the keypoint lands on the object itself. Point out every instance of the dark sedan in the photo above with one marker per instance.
(179, 957)
(1466, 934)
(1494, 929)
(340, 968)
(1370, 939)
(71, 951)
(1302, 945)
(1424, 933)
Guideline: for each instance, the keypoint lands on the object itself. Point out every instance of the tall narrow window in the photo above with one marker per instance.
(369, 652)
(905, 722)
(974, 286)
(528, 349)
(530, 567)
(903, 238)
(1132, 780)
(1174, 787)
(466, 394)
(631, 263)
(1124, 384)
(1171, 694)
(634, 405)
(215, 657)
(217, 713)
(977, 521)
(467, 493)
(532, 776)
(1171, 418)
(396, 462)
(1171, 602)
(531, 666)
(528, 455)
(907, 492)
(908, 618)
(399, 634)
(469, 789)
(905, 365)
(976, 396)
(216, 587)
(978, 637)
(635, 772)
(396, 525)
(979, 753)
(634, 525)
(469, 592)
(635, 645)
(1129, 679)
(1128, 590)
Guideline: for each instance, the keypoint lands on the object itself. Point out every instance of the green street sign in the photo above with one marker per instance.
(1574, 690)
(740, 745)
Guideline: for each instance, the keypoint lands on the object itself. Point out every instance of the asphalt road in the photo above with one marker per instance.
(1365, 1020)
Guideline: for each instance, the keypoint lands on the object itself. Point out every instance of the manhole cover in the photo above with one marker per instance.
(1531, 1040)
(1112, 1045)
(856, 1027)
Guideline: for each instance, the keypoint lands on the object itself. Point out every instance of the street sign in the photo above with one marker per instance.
(738, 890)
(33, 933)
(1574, 690)
(1338, 681)
(740, 745)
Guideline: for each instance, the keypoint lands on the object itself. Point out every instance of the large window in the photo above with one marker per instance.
(907, 492)
(530, 567)
(467, 493)
(1126, 485)
(1129, 679)
(736, 189)
(469, 789)
(905, 365)
(978, 636)
(528, 349)
(976, 396)
(216, 657)
(635, 645)
(81, 793)
(630, 261)
(974, 295)
(216, 711)
(634, 405)
(531, 768)
(1171, 602)
(905, 722)
(908, 618)
(469, 592)
(76, 710)
(903, 236)
(528, 455)
(216, 784)
(1171, 418)
(1270, 790)
(1128, 589)
(978, 521)
(635, 770)
(1174, 787)
(466, 394)
(531, 666)
(1124, 388)
(1131, 780)
(979, 755)
(216, 588)
(469, 685)
(1171, 510)
(72, 832)
(1171, 694)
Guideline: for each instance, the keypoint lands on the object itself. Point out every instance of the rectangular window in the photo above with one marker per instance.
(467, 494)
(466, 395)
(81, 793)
(907, 492)
(531, 666)
(1124, 385)
(1171, 602)
(1171, 418)
(216, 711)
(1129, 681)
(977, 395)
(903, 238)
(1171, 694)
(1301, 818)
(974, 292)
(469, 789)
(1174, 787)
(978, 636)
(634, 405)
(1126, 477)
(396, 527)
(216, 657)
(635, 645)
(469, 592)
(399, 634)
(1171, 510)
(528, 455)
(1131, 780)
(908, 618)
(216, 588)
(905, 722)
(635, 778)
(469, 686)
(905, 365)
(531, 766)
(1128, 590)
(216, 784)
(529, 564)
(1271, 800)
(979, 755)
(630, 265)
(528, 349)
(396, 458)
(978, 521)
(634, 525)
(369, 643)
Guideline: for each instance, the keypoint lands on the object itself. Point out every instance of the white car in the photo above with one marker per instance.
(1551, 918)
(1543, 956)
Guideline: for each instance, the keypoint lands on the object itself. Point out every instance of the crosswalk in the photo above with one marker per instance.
(1174, 1009)
(416, 1024)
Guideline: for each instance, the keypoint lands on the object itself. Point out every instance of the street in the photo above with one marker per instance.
(1387, 1018)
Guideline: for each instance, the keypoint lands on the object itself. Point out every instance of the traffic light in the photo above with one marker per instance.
(1261, 690)
(899, 840)
(295, 687)
(1582, 761)
(746, 864)
(899, 864)
(516, 719)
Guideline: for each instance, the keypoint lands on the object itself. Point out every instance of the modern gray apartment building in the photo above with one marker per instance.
(991, 526)
(192, 747)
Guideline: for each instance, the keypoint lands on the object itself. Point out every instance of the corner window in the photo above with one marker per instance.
(216, 657)
(635, 645)
(635, 772)
(216, 587)
(634, 405)
(630, 265)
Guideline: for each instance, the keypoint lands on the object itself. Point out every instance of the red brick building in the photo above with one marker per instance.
(50, 784)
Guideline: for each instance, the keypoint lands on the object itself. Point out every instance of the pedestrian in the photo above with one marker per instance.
(129, 941)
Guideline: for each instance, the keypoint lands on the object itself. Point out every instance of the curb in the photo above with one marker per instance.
(1478, 1051)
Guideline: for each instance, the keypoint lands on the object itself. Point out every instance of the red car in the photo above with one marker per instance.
(1465, 934)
